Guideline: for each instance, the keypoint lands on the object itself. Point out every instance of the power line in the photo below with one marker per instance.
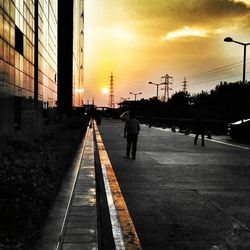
(231, 76)
(214, 73)
(215, 70)
(202, 62)
(216, 79)
(223, 68)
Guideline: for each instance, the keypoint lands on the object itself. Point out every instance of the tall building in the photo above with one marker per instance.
(33, 34)
(70, 42)
(28, 61)
(78, 42)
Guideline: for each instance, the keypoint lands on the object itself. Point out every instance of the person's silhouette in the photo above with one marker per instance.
(131, 131)
(200, 128)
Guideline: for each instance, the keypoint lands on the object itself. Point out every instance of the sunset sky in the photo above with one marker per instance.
(143, 40)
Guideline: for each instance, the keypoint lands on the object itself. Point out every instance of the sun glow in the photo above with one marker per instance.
(185, 32)
(141, 41)
(105, 90)
(120, 33)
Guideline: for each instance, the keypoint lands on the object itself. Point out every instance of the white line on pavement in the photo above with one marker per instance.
(229, 144)
(213, 140)
(116, 228)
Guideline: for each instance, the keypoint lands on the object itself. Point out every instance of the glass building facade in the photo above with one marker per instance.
(29, 60)
(78, 42)
(47, 52)
(23, 38)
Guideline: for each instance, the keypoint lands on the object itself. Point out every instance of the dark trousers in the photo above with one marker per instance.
(132, 140)
(202, 133)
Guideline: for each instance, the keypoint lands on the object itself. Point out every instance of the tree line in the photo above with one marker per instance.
(227, 102)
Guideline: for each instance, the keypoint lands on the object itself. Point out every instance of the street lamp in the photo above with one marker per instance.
(157, 86)
(124, 99)
(135, 94)
(229, 39)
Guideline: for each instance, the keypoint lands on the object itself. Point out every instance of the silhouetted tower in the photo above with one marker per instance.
(166, 87)
(185, 85)
(111, 92)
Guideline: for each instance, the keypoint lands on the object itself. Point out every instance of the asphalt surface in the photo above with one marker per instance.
(181, 196)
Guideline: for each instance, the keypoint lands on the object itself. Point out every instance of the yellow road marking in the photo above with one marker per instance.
(130, 237)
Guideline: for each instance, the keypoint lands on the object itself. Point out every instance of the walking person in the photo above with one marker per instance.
(200, 128)
(131, 131)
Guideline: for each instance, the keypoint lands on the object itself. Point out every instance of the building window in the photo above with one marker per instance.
(18, 40)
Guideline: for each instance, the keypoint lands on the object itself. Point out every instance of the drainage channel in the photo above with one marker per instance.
(79, 229)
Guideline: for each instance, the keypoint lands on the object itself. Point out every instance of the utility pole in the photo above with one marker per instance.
(185, 85)
(166, 87)
(111, 92)
(157, 86)
(135, 94)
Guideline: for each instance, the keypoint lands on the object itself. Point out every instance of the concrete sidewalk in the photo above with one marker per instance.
(72, 222)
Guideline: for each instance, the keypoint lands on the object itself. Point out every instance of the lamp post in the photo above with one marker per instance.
(157, 86)
(124, 99)
(135, 94)
(229, 39)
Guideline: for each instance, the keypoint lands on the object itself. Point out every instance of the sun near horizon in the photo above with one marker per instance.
(141, 43)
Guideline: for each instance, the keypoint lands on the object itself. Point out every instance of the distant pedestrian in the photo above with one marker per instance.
(131, 131)
(200, 128)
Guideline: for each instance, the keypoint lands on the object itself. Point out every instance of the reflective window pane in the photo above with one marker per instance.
(12, 56)
(1, 22)
(12, 35)
(6, 28)
(12, 11)
(7, 6)
(1, 70)
(1, 50)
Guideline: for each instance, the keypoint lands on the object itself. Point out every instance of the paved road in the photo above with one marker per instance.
(181, 196)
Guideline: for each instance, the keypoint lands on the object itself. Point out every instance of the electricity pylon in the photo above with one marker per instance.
(111, 92)
(166, 87)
